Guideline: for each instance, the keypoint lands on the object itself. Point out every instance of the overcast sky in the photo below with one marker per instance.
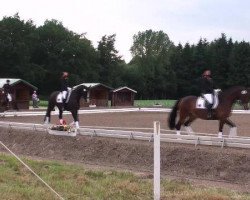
(183, 20)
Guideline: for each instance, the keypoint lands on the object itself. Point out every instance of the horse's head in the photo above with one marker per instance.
(244, 97)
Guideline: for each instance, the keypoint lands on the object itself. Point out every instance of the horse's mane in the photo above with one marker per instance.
(230, 91)
(76, 88)
(233, 89)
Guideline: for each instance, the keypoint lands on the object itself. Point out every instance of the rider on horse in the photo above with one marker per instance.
(64, 87)
(7, 90)
(207, 91)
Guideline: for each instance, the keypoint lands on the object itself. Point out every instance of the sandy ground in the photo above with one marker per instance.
(227, 167)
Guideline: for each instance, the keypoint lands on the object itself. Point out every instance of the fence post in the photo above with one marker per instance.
(157, 162)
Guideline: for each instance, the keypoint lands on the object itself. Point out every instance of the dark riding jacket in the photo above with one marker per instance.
(7, 88)
(207, 86)
(64, 84)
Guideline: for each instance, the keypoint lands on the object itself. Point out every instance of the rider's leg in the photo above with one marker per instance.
(64, 94)
(209, 104)
(209, 111)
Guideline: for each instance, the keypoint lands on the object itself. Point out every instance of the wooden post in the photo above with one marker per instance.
(157, 159)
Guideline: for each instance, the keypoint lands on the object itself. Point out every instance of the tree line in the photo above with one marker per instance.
(158, 68)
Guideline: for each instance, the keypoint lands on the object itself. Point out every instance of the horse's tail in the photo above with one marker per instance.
(172, 116)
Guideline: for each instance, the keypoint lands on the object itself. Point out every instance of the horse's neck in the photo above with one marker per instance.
(231, 95)
(75, 95)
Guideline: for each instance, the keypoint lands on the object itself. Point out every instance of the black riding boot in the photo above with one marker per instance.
(209, 111)
(63, 104)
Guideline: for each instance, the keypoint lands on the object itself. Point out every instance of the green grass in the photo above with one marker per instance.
(151, 103)
(75, 182)
(137, 103)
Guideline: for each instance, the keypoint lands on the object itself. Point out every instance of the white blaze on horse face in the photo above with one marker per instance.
(243, 92)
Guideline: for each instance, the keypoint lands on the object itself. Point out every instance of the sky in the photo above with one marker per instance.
(182, 20)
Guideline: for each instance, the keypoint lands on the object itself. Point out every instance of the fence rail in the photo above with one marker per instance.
(96, 110)
(196, 139)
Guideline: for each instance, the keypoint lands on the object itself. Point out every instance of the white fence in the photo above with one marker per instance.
(89, 111)
(168, 136)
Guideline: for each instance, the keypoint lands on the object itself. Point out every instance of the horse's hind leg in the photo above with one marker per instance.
(187, 125)
(179, 123)
(233, 128)
(48, 112)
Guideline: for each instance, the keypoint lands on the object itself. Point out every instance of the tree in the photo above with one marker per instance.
(239, 70)
(59, 49)
(220, 50)
(151, 52)
(16, 40)
(111, 64)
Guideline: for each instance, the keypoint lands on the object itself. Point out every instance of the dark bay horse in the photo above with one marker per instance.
(73, 104)
(188, 111)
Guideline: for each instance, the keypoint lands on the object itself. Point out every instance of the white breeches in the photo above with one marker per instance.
(9, 97)
(209, 98)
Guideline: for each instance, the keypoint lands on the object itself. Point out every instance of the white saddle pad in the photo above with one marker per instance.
(200, 103)
(59, 98)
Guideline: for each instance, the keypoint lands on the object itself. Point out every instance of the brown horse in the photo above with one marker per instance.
(188, 111)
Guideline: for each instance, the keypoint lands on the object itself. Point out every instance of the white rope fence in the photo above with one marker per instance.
(58, 195)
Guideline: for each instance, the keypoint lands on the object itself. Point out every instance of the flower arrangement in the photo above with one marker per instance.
(64, 127)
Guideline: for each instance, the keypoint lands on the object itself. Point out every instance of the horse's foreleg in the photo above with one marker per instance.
(233, 128)
(221, 124)
(47, 116)
(76, 118)
(60, 115)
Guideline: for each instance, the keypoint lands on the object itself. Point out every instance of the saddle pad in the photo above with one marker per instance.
(59, 98)
(200, 103)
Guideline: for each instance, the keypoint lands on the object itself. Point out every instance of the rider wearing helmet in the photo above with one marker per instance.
(207, 91)
(64, 86)
(7, 90)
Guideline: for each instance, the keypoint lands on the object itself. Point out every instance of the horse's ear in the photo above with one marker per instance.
(244, 92)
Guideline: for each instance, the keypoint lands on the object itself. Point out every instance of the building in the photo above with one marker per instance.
(22, 91)
(98, 95)
(123, 96)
